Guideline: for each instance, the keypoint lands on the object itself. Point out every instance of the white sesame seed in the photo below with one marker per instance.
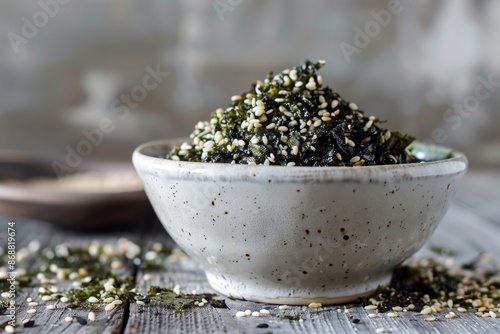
(68, 319)
(46, 298)
(31, 311)
(236, 98)
(426, 311)
(397, 309)
(91, 316)
(29, 299)
(311, 85)
(32, 304)
(319, 79)
(109, 307)
(293, 75)
(315, 305)
(334, 104)
(286, 81)
(93, 299)
(323, 105)
(353, 106)
(461, 309)
(140, 302)
(295, 150)
(354, 160)
(370, 307)
(248, 312)
(493, 314)
(240, 314)
(9, 329)
(270, 126)
(430, 319)
(282, 128)
(372, 315)
(450, 316)
(380, 330)
(264, 311)
(368, 125)
(299, 84)
(317, 123)
(50, 307)
(350, 143)
(290, 164)
(117, 302)
(279, 100)
(392, 315)
(255, 314)
(339, 156)
(283, 307)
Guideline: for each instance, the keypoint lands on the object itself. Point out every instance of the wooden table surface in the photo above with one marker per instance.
(472, 226)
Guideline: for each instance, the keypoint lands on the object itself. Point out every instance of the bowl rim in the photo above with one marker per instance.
(456, 164)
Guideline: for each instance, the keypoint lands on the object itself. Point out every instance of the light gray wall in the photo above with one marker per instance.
(63, 78)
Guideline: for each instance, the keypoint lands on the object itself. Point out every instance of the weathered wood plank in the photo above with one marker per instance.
(53, 321)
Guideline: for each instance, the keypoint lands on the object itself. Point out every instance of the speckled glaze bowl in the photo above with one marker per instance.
(293, 235)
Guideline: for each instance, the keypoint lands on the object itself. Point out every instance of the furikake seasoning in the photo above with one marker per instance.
(291, 119)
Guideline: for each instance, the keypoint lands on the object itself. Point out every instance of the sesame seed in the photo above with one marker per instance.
(370, 307)
(392, 315)
(9, 329)
(283, 307)
(290, 164)
(485, 315)
(353, 106)
(493, 314)
(372, 315)
(430, 319)
(387, 135)
(32, 304)
(350, 143)
(117, 302)
(31, 311)
(359, 163)
(323, 105)
(380, 330)
(295, 150)
(293, 75)
(29, 299)
(336, 112)
(93, 299)
(321, 99)
(292, 123)
(110, 307)
(319, 79)
(299, 84)
(368, 125)
(46, 298)
(280, 99)
(397, 308)
(315, 305)
(317, 123)
(64, 299)
(264, 140)
(339, 156)
(450, 316)
(461, 309)
(236, 98)
(270, 126)
(248, 312)
(255, 314)
(354, 160)
(311, 85)
(282, 128)
(50, 307)
(69, 319)
(286, 81)
(240, 314)
(264, 311)
(426, 311)
(334, 104)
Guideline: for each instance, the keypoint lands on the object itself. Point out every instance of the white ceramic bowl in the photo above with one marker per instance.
(294, 235)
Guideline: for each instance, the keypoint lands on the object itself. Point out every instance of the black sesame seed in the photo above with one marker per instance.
(356, 320)
(29, 323)
(81, 321)
(262, 326)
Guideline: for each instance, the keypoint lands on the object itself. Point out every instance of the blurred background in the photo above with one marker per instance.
(118, 73)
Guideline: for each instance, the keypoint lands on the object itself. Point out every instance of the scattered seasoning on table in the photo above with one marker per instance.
(429, 285)
(291, 119)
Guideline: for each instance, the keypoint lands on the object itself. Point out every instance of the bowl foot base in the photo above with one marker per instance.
(282, 295)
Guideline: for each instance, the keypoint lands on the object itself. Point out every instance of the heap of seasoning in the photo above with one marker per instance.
(290, 119)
